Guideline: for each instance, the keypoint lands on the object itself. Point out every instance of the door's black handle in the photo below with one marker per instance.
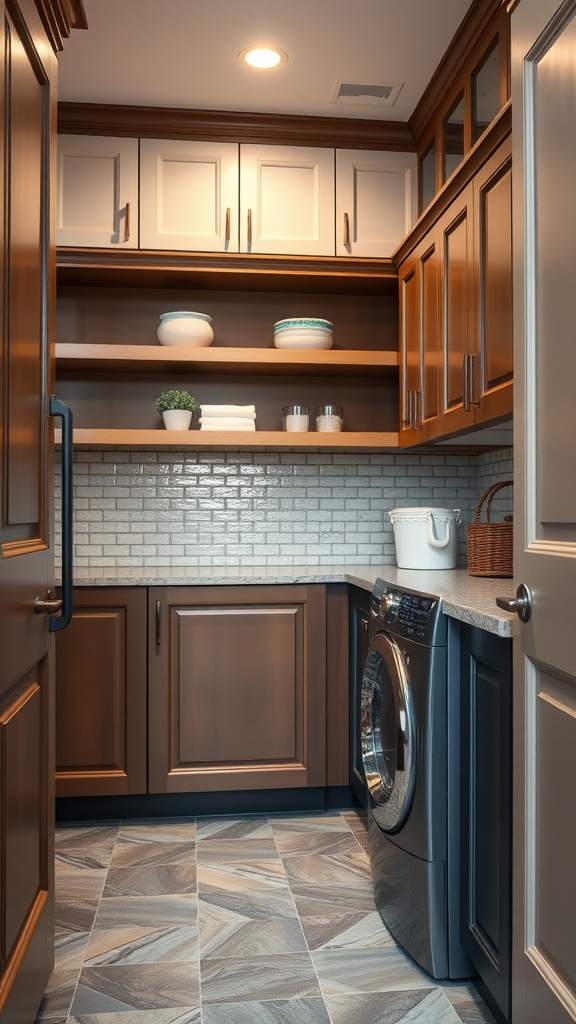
(56, 622)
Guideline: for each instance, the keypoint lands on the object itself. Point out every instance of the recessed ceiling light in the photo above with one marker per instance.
(262, 57)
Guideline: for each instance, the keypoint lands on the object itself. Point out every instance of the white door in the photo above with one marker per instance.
(97, 186)
(189, 195)
(544, 212)
(287, 200)
(376, 201)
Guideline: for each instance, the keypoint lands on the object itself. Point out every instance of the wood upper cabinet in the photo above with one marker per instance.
(419, 342)
(376, 201)
(188, 195)
(101, 694)
(476, 299)
(237, 688)
(97, 188)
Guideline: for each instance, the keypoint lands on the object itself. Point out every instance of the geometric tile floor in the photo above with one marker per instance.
(260, 920)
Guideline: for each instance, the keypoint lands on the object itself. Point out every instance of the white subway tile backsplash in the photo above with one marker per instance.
(231, 508)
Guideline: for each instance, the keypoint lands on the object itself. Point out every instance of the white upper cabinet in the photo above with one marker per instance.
(287, 200)
(97, 186)
(188, 195)
(376, 201)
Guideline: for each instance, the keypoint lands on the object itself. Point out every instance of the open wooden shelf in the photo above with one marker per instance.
(205, 440)
(137, 268)
(156, 358)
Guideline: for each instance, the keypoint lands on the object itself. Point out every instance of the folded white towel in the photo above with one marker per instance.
(229, 410)
(209, 422)
(226, 426)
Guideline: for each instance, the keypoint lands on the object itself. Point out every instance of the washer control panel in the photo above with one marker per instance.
(409, 614)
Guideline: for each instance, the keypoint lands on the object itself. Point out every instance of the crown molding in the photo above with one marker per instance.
(232, 126)
(59, 17)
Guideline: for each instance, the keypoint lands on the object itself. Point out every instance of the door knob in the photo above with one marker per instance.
(47, 606)
(521, 604)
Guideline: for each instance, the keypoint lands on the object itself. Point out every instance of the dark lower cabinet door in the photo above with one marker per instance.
(486, 812)
(101, 694)
(237, 688)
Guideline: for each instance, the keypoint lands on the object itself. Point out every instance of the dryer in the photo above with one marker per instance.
(410, 747)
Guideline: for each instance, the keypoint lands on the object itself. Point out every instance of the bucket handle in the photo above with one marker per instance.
(432, 539)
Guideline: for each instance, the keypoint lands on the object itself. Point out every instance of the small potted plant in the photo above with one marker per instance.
(176, 408)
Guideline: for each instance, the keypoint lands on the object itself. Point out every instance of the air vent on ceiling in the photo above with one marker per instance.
(366, 94)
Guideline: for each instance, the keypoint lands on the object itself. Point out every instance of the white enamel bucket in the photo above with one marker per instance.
(425, 538)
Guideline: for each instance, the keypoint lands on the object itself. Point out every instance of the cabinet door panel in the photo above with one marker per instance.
(237, 689)
(287, 200)
(457, 312)
(493, 269)
(188, 195)
(377, 194)
(97, 191)
(419, 342)
(101, 695)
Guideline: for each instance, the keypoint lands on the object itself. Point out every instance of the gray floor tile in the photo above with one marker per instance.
(130, 852)
(416, 1006)
(226, 933)
(136, 987)
(192, 1015)
(348, 866)
(257, 978)
(310, 844)
(151, 880)
(367, 970)
(59, 994)
(79, 883)
(162, 911)
(281, 1011)
(344, 930)
(471, 1009)
(233, 828)
(163, 831)
(69, 949)
(142, 945)
(252, 903)
(217, 851)
(75, 915)
(330, 822)
(267, 874)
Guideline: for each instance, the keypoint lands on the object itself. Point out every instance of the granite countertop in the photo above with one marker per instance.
(467, 598)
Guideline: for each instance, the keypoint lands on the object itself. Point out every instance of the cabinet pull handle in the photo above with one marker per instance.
(227, 239)
(249, 229)
(465, 384)
(56, 622)
(364, 623)
(346, 231)
(127, 224)
(411, 395)
(158, 623)
(418, 410)
(474, 389)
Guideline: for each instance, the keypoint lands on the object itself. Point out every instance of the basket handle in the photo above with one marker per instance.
(489, 493)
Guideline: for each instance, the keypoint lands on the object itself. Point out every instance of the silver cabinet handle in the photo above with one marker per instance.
(346, 231)
(158, 623)
(521, 604)
(127, 224)
(364, 624)
(227, 237)
(249, 229)
(418, 410)
(465, 384)
(474, 390)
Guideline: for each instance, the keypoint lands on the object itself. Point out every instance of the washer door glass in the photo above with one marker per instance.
(388, 733)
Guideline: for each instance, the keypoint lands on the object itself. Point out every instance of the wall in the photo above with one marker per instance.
(261, 508)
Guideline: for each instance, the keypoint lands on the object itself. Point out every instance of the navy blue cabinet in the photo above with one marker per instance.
(486, 674)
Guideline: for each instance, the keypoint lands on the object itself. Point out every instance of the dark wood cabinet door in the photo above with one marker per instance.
(486, 811)
(26, 557)
(457, 312)
(419, 284)
(493, 366)
(101, 694)
(237, 688)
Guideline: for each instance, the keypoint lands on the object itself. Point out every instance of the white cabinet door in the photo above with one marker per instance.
(376, 201)
(188, 195)
(97, 185)
(287, 200)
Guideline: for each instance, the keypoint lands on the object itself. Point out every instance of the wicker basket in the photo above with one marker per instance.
(490, 544)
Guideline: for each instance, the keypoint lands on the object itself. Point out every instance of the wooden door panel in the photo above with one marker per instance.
(428, 405)
(237, 689)
(456, 310)
(409, 281)
(101, 695)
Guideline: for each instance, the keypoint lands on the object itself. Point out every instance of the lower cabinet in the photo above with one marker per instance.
(237, 688)
(101, 694)
(486, 662)
(227, 693)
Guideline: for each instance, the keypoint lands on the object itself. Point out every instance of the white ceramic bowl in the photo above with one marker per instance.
(183, 327)
(311, 337)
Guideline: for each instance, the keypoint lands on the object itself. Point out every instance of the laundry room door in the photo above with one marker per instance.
(544, 212)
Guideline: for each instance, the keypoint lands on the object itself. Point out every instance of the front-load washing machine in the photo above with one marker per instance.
(410, 747)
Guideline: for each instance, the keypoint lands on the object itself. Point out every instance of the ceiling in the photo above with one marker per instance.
(183, 53)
